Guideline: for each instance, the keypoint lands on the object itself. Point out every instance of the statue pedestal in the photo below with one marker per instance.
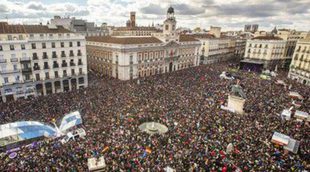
(236, 103)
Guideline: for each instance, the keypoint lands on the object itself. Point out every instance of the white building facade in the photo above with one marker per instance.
(215, 50)
(132, 57)
(40, 60)
(300, 66)
(268, 50)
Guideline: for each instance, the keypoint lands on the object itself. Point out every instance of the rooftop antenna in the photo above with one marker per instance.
(7, 18)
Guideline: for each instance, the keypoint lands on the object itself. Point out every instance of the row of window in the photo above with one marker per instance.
(150, 54)
(38, 77)
(298, 49)
(265, 46)
(43, 45)
(21, 37)
(55, 64)
(102, 54)
(301, 57)
(54, 54)
(56, 74)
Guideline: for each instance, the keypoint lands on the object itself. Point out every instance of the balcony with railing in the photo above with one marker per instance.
(56, 38)
(80, 63)
(79, 54)
(25, 59)
(64, 65)
(14, 59)
(45, 56)
(35, 57)
(2, 60)
(63, 55)
(36, 68)
(26, 70)
(9, 71)
(46, 67)
(72, 64)
(54, 56)
(71, 54)
(55, 65)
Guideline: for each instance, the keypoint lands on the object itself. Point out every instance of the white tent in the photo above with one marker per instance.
(96, 164)
(300, 115)
(295, 94)
(280, 139)
(292, 146)
(285, 141)
(286, 113)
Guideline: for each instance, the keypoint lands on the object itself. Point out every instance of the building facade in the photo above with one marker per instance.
(131, 28)
(240, 45)
(251, 28)
(80, 26)
(214, 49)
(40, 60)
(140, 56)
(268, 50)
(300, 66)
(291, 37)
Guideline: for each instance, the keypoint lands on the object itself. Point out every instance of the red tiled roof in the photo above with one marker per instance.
(203, 36)
(135, 28)
(45, 29)
(123, 40)
(267, 38)
(187, 38)
(6, 28)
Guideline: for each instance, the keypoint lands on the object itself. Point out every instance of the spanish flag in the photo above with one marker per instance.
(148, 150)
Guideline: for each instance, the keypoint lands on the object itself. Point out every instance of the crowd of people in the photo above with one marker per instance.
(188, 103)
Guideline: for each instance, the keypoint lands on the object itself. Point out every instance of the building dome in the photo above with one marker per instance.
(170, 10)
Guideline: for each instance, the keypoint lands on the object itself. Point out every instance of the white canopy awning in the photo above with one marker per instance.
(280, 139)
(295, 94)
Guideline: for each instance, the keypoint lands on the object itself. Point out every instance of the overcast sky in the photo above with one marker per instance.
(229, 14)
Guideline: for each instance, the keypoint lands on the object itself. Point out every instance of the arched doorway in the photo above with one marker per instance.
(73, 84)
(49, 88)
(57, 86)
(66, 85)
(39, 88)
(170, 66)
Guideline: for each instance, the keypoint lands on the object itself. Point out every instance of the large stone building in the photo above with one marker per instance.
(80, 26)
(214, 49)
(291, 37)
(251, 28)
(131, 57)
(268, 51)
(300, 66)
(240, 44)
(131, 28)
(40, 60)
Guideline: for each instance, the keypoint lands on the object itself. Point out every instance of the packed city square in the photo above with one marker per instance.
(188, 103)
